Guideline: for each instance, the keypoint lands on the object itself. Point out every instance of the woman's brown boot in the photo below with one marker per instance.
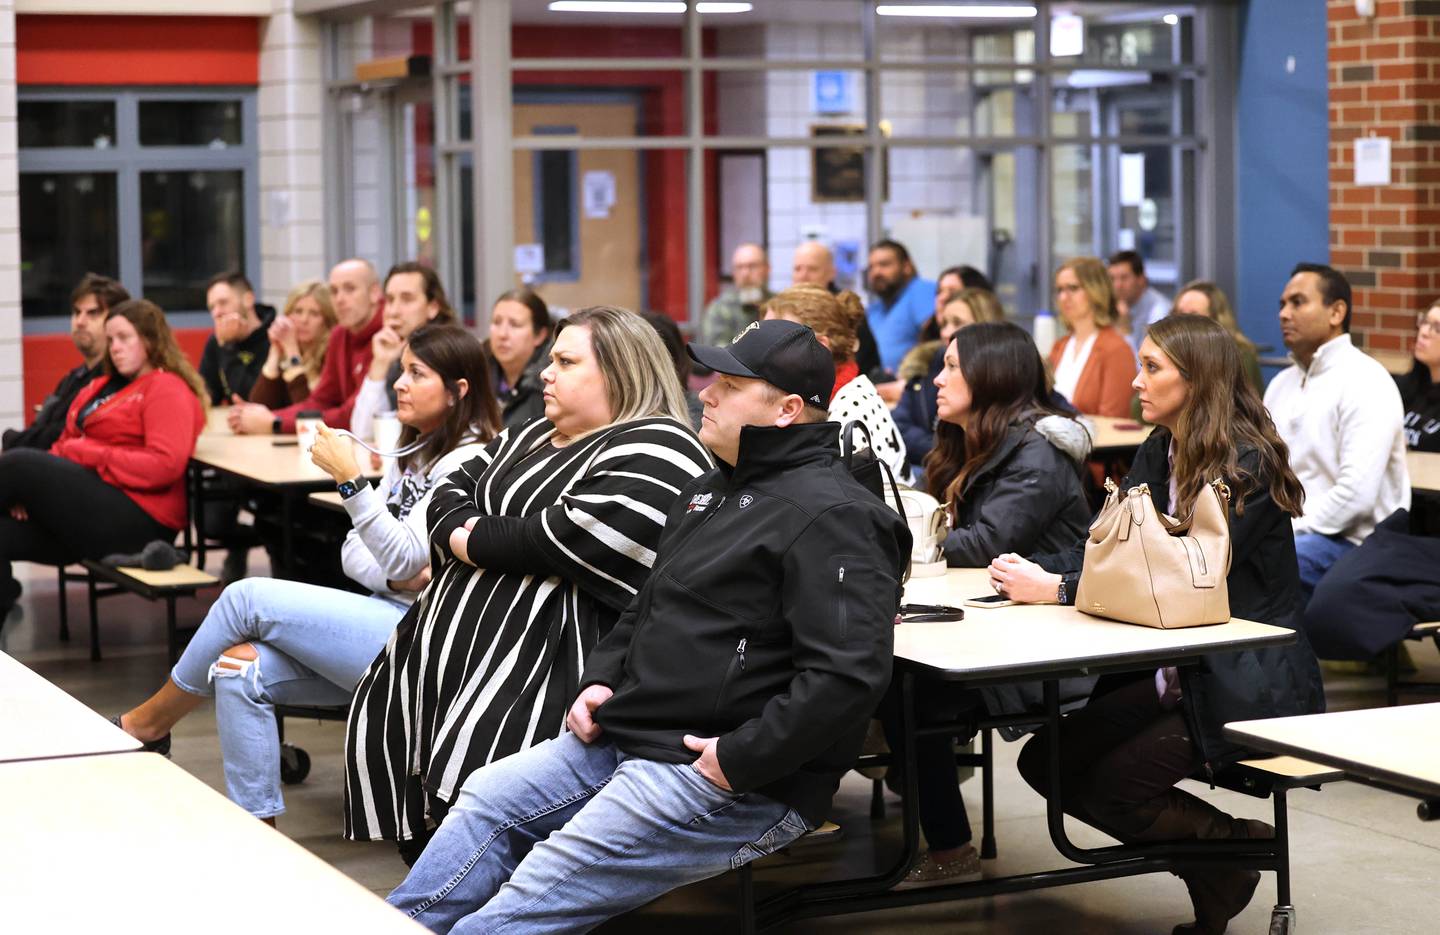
(1220, 895)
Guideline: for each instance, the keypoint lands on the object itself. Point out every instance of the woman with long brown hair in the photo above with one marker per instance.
(115, 479)
(1121, 756)
(1007, 467)
(267, 642)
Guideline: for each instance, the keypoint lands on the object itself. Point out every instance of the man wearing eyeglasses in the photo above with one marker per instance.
(739, 305)
(1340, 414)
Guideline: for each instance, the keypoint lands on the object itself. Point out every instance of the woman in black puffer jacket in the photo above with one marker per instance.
(1007, 465)
(1122, 755)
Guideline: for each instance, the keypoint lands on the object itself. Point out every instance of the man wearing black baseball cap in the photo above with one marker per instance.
(716, 718)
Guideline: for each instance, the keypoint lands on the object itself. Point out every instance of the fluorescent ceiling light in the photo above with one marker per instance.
(1100, 78)
(643, 6)
(957, 11)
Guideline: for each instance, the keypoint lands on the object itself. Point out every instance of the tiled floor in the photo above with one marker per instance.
(1362, 862)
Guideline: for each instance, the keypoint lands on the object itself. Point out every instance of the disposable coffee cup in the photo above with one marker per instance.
(386, 431)
(307, 429)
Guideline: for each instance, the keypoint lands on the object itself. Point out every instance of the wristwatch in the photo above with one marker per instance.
(1060, 594)
(350, 488)
(275, 426)
(294, 361)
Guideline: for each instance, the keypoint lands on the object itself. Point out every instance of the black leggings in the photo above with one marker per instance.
(943, 818)
(1120, 756)
(73, 514)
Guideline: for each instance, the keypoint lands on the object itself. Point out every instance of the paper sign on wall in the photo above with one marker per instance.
(529, 259)
(598, 189)
(1132, 179)
(1372, 160)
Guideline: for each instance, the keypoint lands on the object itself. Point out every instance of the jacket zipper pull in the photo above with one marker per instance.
(740, 651)
(842, 574)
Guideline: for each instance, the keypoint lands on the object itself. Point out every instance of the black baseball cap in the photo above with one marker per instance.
(784, 354)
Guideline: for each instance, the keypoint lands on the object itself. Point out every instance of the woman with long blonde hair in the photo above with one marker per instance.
(539, 542)
(298, 339)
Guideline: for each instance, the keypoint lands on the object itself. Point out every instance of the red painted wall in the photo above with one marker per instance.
(128, 50)
(48, 357)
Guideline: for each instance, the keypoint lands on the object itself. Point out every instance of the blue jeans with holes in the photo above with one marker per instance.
(313, 643)
(1316, 553)
(564, 835)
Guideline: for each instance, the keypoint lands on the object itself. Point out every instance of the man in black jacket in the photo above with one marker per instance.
(716, 718)
(235, 352)
(90, 302)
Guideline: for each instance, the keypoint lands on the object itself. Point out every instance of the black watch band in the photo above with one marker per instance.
(349, 488)
(1060, 592)
(275, 426)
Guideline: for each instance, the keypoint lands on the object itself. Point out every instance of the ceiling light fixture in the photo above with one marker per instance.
(957, 11)
(1171, 19)
(644, 6)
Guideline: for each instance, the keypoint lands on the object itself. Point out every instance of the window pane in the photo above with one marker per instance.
(190, 123)
(67, 228)
(192, 226)
(786, 29)
(67, 123)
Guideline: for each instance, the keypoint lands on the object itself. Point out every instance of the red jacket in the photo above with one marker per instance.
(139, 440)
(347, 359)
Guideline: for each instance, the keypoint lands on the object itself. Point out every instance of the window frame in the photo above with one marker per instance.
(127, 159)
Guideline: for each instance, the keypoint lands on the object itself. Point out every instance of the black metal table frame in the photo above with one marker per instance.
(866, 894)
(288, 492)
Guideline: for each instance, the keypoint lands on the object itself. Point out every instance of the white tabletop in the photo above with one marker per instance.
(135, 844)
(1395, 746)
(1035, 640)
(1111, 432)
(1424, 470)
(39, 721)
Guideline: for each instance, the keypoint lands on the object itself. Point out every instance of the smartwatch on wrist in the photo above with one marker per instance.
(294, 361)
(1060, 594)
(275, 426)
(349, 488)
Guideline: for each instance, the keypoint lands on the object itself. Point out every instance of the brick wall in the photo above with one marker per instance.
(1384, 79)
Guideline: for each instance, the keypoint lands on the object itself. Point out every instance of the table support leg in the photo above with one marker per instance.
(94, 617)
(987, 792)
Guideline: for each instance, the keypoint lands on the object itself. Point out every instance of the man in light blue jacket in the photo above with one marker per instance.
(901, 302)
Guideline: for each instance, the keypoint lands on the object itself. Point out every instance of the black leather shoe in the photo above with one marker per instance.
(161, 746)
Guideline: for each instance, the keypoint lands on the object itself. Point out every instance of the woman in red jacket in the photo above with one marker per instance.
(115, 480)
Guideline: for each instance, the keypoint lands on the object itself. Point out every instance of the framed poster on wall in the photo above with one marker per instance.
(837, 173)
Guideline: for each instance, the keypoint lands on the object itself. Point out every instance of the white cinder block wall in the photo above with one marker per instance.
(292, 168)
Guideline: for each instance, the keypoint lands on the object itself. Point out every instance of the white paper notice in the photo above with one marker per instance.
(598, 187)
(1372, 160)
(529, 258)
(1132, 179)
(1067, 34)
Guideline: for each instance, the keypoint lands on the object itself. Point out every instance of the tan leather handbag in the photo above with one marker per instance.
(1144, 567)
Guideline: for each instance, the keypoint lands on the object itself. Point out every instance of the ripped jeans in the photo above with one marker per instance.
(313, 646)
(564, 835)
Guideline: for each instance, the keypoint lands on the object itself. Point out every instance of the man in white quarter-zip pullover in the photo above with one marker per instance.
(1340, 414)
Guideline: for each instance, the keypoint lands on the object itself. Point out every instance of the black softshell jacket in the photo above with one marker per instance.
(768, 621)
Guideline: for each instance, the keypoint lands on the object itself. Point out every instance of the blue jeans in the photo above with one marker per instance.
(313, 643)
(1316, 553)
(564, 835)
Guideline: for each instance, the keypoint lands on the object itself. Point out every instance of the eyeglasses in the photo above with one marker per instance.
(1067, 289)
(1428, 324)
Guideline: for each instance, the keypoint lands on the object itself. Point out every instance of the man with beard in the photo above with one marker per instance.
(739, 305)
(901, 301)
(90, 302)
